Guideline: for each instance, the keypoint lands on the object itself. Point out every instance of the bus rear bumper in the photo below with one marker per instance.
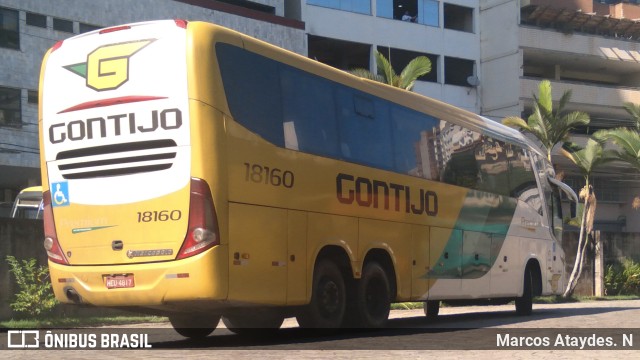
(201, 278)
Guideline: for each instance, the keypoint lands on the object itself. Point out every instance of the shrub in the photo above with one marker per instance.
(623, 279)
(35, 296)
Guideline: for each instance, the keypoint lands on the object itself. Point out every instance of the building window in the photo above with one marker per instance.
(10, 107)
(32, 97)
(252, 5)
(424, 12)
(9, 34)
(345, 55)
(357, 6)
(62, 25)
(458, 17)
(400, 59)
(87, 27)
(457, 71)
(38, 20)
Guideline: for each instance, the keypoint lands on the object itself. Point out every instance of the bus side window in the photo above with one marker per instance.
(416, 142)
(252, 86)
(309, 118)
(364, 129)
(555, 212)
(522, 179)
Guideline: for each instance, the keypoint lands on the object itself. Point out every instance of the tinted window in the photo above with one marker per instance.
(460, 166)
(309, 113)
(300, 111)
(522, 181)
(62, 25)
(493, 167)
(416, 140)
(253, 93)
(364, 129)
(359, 6)
(9, 35)
(10, 108)
(87, 27)
(36, 20)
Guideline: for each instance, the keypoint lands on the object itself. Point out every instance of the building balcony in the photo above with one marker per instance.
(597, 100)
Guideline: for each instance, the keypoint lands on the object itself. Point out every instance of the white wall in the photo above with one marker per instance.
(500, 58)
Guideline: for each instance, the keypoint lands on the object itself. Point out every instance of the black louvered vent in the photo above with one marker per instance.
(117, 159)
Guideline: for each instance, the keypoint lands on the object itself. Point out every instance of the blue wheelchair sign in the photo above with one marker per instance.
(60, 194)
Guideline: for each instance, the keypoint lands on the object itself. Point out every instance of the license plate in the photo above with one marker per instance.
(119, 281)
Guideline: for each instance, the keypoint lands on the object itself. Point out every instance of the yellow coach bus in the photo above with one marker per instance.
(193, 171)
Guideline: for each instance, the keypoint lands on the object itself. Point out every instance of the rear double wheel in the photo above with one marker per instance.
(328, 298)
(373, 297)
(194, 326)
(253, 322)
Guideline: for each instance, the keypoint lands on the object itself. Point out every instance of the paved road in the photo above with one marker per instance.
(410, 335)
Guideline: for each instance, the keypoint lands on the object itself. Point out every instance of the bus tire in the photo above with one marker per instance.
(328, 298)
(194, 326)
(252, 322)
(373, 297)
(524, 304)
(432, 308)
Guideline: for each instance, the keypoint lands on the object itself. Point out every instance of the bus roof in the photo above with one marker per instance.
(31, 189)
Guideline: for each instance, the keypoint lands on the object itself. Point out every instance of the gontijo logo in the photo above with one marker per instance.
(107, 67)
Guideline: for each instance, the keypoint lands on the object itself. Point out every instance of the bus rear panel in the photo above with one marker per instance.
(125, 222)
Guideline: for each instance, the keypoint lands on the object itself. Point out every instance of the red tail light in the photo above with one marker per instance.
(51, 243)
(203, 223)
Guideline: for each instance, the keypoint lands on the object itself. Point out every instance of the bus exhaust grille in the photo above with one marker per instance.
(117, 159)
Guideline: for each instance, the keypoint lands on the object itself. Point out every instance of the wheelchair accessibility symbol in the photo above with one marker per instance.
(60, 195)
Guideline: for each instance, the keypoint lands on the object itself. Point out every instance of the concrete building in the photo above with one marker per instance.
(345, 33)
(588, 47)
(28, 28)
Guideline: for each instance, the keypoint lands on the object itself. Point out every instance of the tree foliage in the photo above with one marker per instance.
(417, 67)
(35, 296)
(550, 126)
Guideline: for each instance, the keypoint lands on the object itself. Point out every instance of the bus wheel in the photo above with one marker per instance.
(252, 322)
(328, 298)
(432, 308)
(194, 326)
(524, 303)
(373, 297)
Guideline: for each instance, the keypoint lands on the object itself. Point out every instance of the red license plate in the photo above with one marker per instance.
(119, 281)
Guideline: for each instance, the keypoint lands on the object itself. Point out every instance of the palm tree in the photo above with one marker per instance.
(417, 67)
(549, 126)
(634, 111)
(586, 159)
(627, 141)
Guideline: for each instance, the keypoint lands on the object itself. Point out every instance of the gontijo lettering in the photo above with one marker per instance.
(366, 193)
(114, 125)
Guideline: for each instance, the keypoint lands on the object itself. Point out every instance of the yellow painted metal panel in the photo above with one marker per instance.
(257, 254)
(297, 250)
(155, 283)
